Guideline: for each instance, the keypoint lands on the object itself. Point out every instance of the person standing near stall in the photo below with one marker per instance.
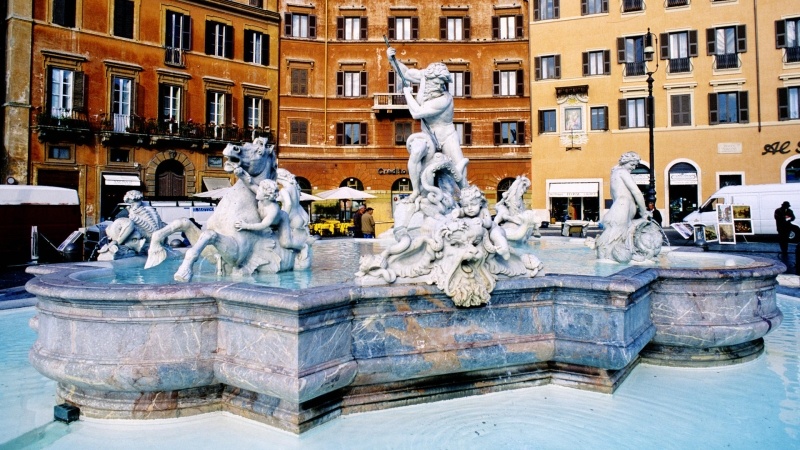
(357, 221)
(368, 224)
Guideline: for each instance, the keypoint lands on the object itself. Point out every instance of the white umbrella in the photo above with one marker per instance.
(344, 193)
(214, 194)
(308, 197)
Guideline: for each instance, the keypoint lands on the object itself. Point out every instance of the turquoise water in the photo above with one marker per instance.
(748, 406)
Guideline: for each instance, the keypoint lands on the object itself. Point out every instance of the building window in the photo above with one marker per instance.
(253, 112)
(630, 52)
(219, 39)
(678, 48)
(599, 117)
(676, 3)
(547, 121)
(464, 130)
(351, 28)
(508, 83)
(402, 130)
(300, 25)
(64, 13)
(728, 107)
(632, 5)
(298, 132)
(177, 38)
(61, 92)
(218, 106)
(351, 84)
(725, 43)
(589, 7)
(789, 103)
(632, 113)
(403, 28)
(59, 153)
(299, 82)
(169, 109)
(507, 27)
(121, 102)
(545, 9)
(119, 155)
(547, 67)
(597, 62)
(787, 37)
(256, 47)
(454, 28)
(460, 84)
(123, 18)
(509, 133)
(214, 162)
(681, 110)
(730, 179)
(351, 133)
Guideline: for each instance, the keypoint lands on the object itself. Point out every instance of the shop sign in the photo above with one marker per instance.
(641, 178)
(395, 171)
(682, 178)
(729, 147)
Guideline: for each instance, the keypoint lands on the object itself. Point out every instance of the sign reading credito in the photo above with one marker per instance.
(395, 171)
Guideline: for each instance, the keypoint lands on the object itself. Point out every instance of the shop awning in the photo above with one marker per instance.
(212, 183)
(573, 190)
(121, 180)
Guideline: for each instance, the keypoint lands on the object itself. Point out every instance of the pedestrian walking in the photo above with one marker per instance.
(368, 224)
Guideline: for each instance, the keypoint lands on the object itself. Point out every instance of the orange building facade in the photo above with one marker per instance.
(342, 121)
(138, 95)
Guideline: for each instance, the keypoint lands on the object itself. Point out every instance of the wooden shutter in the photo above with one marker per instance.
(537, 68)
(391, 30)
(249, 37)
(741, 39)
(391, 80)
(780, 34)
(692, 43)
(415, 28)
(340, 28)
(520, 31)
(162, 95)
(711, 41)
(541, 122)
(621, 50)
(186, 31)
(210, 26)
(467, 23)
(265, 49)
(783, 103)
(340, 134)
(467, 84)
(363, 84)
(606, 62)
(228, 41)
(585, 61)
(557, 71)
(623, 113)
(495, 27)
(228, 109)
(443, 28)
(520, 133)
(312, 27)
(363, 31)
(744, 109)
(497, 128)
(664, 45)
(536, 14)
(520, 83)
(713, 112)
(496, 82)
(604, 6)
(287, 24)
(556, 7)
(79, 92)
(467, 133)
(266, 113)
(584, 8)
(340, 84)
(363, 137)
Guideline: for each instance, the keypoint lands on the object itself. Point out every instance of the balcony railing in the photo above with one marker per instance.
(389, 101)
(174, 57)
(726, 61)
(632, 5)
(680, 65)
(674, 3)
(633, 69)
(62, 125)
(792, 54)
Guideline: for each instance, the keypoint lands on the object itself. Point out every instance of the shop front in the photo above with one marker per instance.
(574, 200)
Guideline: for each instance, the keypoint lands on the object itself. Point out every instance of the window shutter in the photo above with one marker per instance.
(467, 84)
(266, 114)
(468, 134)
(59, 13)
(664, 45)
(340, 28)
(584, 8)
(392, 83)
(363, 129)
(713, 113)
(265, 50)
(621, 50)
(496, 82)
(744, 109)
(249, 37)
(585, 62)
(287, 24)
(675, 107)
(780, 34)
(536, 14)
(623, 114)
(604, 6)
(495, 27)
(228, 109)
(209, 100)
(443, 28)
(363, 31)
(79, 91)
(537, 68)
(186, 30)
(741, 39)
(363, 87)
(391, 24)
(209, 38)
(520, 83)
(162, 94)
(711, 41)
(497, 133)
(339, 134)
(556, 14)
(606, 62)
(467, 24)
(520, 31)
(415, 28)
(783, 103)
(312, 27)
(229, 41)
(541, 122)
(557, 70)
(339, 84)
(605, 117)
(693, 43)
(520, 133)
(69, 13)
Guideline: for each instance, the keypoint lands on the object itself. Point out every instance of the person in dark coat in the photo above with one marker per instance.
(784, 216)
(357, 221)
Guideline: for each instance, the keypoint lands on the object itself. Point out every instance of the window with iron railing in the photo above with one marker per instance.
(174, 57)
(725, 43)
(787, 37)
(674, 3)
(679, 65)
(632, 5)
(637, 68)
(726, 61)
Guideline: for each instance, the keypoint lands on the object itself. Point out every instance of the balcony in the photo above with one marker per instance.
(726, 61)
(62, 125)
(632, 5)
(792, 54)
(389, 101)
(680, 65)
(174, 57)
(633, 69)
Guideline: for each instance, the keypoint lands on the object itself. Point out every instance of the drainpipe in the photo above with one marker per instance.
(758, 65)
(325, 87)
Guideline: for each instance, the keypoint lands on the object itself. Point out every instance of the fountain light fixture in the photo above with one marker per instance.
(649, 51)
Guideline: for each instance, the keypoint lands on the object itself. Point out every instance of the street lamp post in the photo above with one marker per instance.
(649, 51)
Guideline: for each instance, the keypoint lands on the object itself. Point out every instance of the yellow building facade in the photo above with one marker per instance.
(725, 86)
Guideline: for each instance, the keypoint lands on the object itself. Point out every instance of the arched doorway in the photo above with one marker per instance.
(683, 195)
(503, 186)
(641, 176)
(170, 179)
(401, 188)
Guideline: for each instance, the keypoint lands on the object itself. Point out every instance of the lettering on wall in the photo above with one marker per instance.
(780, 147)
(395, 171)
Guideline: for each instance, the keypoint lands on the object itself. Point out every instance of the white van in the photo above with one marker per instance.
(763, 200)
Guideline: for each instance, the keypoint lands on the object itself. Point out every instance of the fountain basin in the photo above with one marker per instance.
(296, 358)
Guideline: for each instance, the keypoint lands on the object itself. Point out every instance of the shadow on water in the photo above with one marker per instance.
(39, 437)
